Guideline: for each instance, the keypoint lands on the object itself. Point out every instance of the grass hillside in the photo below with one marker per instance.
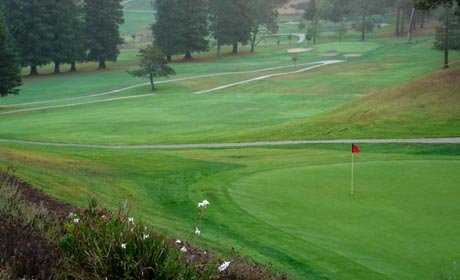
(289, 205)
(426, 106)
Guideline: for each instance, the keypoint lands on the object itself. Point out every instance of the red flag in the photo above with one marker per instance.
(355, 149)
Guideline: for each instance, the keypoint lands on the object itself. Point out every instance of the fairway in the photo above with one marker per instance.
(288, 206)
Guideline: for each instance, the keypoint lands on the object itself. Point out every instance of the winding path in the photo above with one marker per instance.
(419, 141)
(264, 77)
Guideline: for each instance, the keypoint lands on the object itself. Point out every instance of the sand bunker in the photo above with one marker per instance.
(351, 55)
(299, 50)
(330, 54)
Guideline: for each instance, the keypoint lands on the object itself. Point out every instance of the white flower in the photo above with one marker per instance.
(123, 245)
(146, 236)
(103, 217)
(71, 215)
(183, 249)
(131, 220)
(203, 204)
(197, 231)
(76, 220)
(224, 266)
(178, 241)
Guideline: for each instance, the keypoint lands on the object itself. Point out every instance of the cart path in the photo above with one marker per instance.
(319, 64)
(419, 141)
(264, 77)
(115, 91)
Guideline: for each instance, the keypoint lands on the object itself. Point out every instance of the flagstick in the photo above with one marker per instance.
(352, 190)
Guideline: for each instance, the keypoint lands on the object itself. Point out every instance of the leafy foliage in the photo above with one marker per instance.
(230, 22)
(99, 245)
(10, 77)
(30, 24)
(153, 64)
(103, 18)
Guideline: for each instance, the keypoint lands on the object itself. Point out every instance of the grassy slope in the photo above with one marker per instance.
(245, 113)
(286, 206)
(426, 106)
(138, 15)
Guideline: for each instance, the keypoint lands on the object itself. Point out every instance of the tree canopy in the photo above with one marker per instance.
(103, 18)
(153, 63)
(10, 77)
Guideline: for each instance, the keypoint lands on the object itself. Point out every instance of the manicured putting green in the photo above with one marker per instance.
(399, 225)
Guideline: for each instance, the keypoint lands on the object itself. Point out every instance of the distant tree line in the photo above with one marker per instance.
(186, 26)
(63, 31)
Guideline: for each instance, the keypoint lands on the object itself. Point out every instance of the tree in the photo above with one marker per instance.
(230, 23)
(365, 9)
(103, 19)
(447, 36)
(166, 29)
(263, 16)
(153, 63)
(10, 77)
(68, 40)
(193, 25)
(30, 24)
(312, 15)
(336, 11)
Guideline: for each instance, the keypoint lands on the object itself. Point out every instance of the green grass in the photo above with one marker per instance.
(287, 206)
(244, 113)
(139, 16)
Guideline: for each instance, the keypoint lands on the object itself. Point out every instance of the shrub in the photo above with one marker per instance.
(99, 245)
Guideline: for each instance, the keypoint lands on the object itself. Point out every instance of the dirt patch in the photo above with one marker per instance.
(299, 50)
(34, 196)
(25, 252)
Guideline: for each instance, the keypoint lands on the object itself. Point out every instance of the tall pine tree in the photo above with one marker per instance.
(103, 19)
(230, 23)
(166, 29)
(10, 77)
(30, 24)
(68, 40)
(193, 26)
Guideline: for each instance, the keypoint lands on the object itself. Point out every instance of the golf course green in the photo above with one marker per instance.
(288, 206)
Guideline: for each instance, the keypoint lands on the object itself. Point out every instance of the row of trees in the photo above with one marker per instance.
(63, 31)
(447, 36)
(408, 14)
(362, 13)
(185, 26)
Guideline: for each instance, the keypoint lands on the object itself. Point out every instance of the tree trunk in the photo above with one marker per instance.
(73, 67)
(253, 42)
(57, 67)
(102, 64)
(169, 57)
(411, 25)
(152, 82)
(363, 31)
(218, 49)
(446, 39)
(402, 24)
(188, 55)
(235, 48)
(422, 20)
(33, 70)
(398, 22)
